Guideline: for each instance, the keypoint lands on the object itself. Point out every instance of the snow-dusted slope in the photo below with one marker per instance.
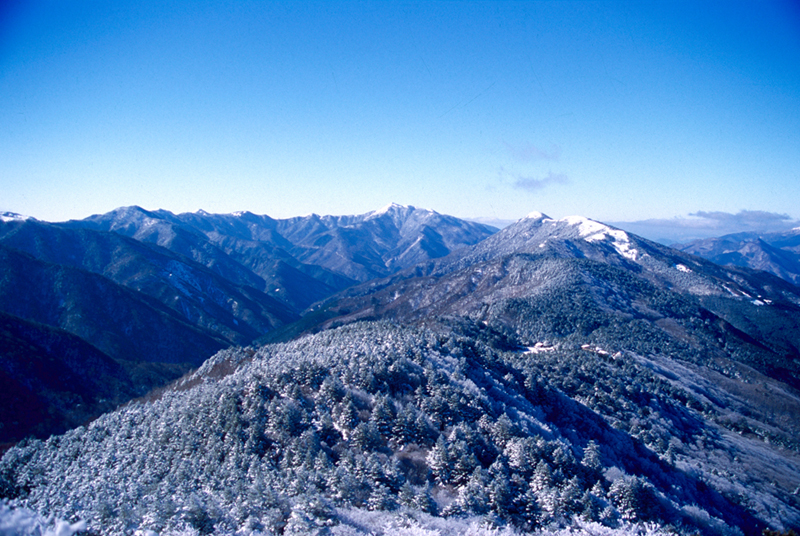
(228, 308)
(576, 237)
(306, 437)
(543, 277)
(381, 242)
(209, 280)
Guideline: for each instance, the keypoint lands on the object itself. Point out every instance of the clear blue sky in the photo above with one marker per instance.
(616, 111)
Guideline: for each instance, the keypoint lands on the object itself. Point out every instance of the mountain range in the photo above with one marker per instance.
(776, 252)
(158, 293)
(559, 374)
(542, 277)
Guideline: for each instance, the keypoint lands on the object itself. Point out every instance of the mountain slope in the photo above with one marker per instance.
(380, 242)
(160, 292)
(727, 335)
(53, 381)
(238, 259)
(122, 323)
(153, 313)
(235, 313)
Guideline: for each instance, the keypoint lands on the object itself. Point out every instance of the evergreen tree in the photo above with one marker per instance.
(439, 461)
(403, 428)
(635, 498)
(591, 462)
(345, 415)
(500, 495)
(381, 498)
(365, 436)
(542, 477)
(383, 416)
(424, 501)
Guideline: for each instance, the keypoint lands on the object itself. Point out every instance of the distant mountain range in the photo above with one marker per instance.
(158, 293)
(777, 253)
(558, 373)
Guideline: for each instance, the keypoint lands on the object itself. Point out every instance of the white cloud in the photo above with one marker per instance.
(532, 184)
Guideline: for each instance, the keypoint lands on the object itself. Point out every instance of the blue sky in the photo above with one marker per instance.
(669, 111)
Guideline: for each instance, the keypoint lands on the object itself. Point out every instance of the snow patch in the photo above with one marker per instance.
(594, 231)
(13, 216)
(586, 227)
(538, 348)
(595, 349)
(21, 521)
(730, 291)
(683, 268)
(619, 240)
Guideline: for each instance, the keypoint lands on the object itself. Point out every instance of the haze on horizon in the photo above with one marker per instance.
(683, 115)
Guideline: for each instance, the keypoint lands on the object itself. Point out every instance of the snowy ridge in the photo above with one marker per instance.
(388, 208)
(586, 227)
(593, 231)
(588, 230)
(395, 210)
(13, 216)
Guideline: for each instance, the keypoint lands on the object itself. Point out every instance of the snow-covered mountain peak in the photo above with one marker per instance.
(127, 215)
(13, 216)
(537, 233)
(400, 214)
(391, 207)
(396, 208)
(535, 215)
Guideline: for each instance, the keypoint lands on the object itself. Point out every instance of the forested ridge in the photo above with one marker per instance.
(455, 422)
